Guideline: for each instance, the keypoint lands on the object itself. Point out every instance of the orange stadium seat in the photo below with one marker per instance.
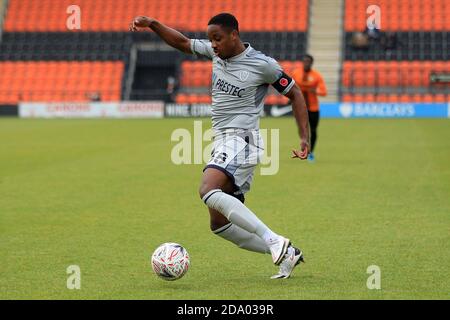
(405, 73)
(369, 97)
(380, 98)
(347, 98)
(193, 15)
(393, 98)
(199, 73)
(358, 98)
(428, 98)
(181, 98)
(193, 98)
(276, 99)
(417, 98)
(59, 81)
(389, 75)
(440, 98)
(404, 98)
(400, 15)
(196, 73)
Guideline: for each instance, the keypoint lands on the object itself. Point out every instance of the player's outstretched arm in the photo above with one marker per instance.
(171, 36)
(301, 117)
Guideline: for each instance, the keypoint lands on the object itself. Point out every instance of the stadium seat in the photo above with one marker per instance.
(276, 99)
(428, 98)
(107, 15)
(359, 98)
(193, 98)
(394, 77)
(60, 81)
(347, 98)
(196, 74)
(440, 98)
(399, 15)
(420, 28)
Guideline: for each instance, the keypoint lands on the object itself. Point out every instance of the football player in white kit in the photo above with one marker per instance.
(241, 78)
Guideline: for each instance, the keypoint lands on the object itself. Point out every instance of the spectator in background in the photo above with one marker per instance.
(360, 41)
(94, 96)
(171, 85)
(373, 33)
(389, 42)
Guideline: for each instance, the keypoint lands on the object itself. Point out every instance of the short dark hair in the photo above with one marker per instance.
(226, 20)
(310, 57)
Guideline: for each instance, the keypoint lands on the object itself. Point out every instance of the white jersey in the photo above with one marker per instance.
(240, 84)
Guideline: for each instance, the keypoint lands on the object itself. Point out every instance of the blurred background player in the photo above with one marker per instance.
(312, 85)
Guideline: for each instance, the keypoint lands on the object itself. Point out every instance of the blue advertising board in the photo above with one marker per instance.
(384, 110)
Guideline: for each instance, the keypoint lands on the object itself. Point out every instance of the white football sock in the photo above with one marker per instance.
(269, 236)
(236, 212)
(242, 238)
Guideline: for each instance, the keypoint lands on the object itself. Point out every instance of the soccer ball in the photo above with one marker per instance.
(170, 261)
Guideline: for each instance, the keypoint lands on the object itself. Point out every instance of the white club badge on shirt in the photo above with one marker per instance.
(243, 75)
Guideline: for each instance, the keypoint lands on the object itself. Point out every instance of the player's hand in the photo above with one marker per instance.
(303, 153)
(140, 22)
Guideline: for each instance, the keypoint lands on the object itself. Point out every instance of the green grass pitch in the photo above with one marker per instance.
(103, 194)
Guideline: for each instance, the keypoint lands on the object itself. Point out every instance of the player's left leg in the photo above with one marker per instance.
(313, 123)
(250, 241)
(237, 213)
(245, 228)
(235, 234)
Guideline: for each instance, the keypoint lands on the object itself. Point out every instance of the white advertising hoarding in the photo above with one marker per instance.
(151, 109)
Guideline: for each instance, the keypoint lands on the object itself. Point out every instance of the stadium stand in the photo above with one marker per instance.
(193, 15)
(400, 62)
(59, 46)
(116, 45)
(196, 76)
(391, 74)
(36, 34)
(408, 46)
(400, 15)
(2, 12)
(198, 73)
(59, 81)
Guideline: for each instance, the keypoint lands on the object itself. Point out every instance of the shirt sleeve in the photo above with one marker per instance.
(274, 75)
(202, 48)
(321, 88)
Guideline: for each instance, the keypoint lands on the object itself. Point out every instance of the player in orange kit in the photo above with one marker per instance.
(312, 85)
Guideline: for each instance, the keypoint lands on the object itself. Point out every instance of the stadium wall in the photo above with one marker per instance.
(8, 110)
(157, 109)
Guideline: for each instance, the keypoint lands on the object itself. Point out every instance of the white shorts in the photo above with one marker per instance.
(236, 153)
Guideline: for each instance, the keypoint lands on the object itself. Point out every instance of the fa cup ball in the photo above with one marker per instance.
(170, 261)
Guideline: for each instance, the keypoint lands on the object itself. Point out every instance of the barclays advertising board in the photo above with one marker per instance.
(385, 110)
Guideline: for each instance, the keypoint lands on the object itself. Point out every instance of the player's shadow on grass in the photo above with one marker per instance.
(172, 285)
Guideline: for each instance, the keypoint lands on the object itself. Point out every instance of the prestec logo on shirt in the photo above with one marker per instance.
(228, 88)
